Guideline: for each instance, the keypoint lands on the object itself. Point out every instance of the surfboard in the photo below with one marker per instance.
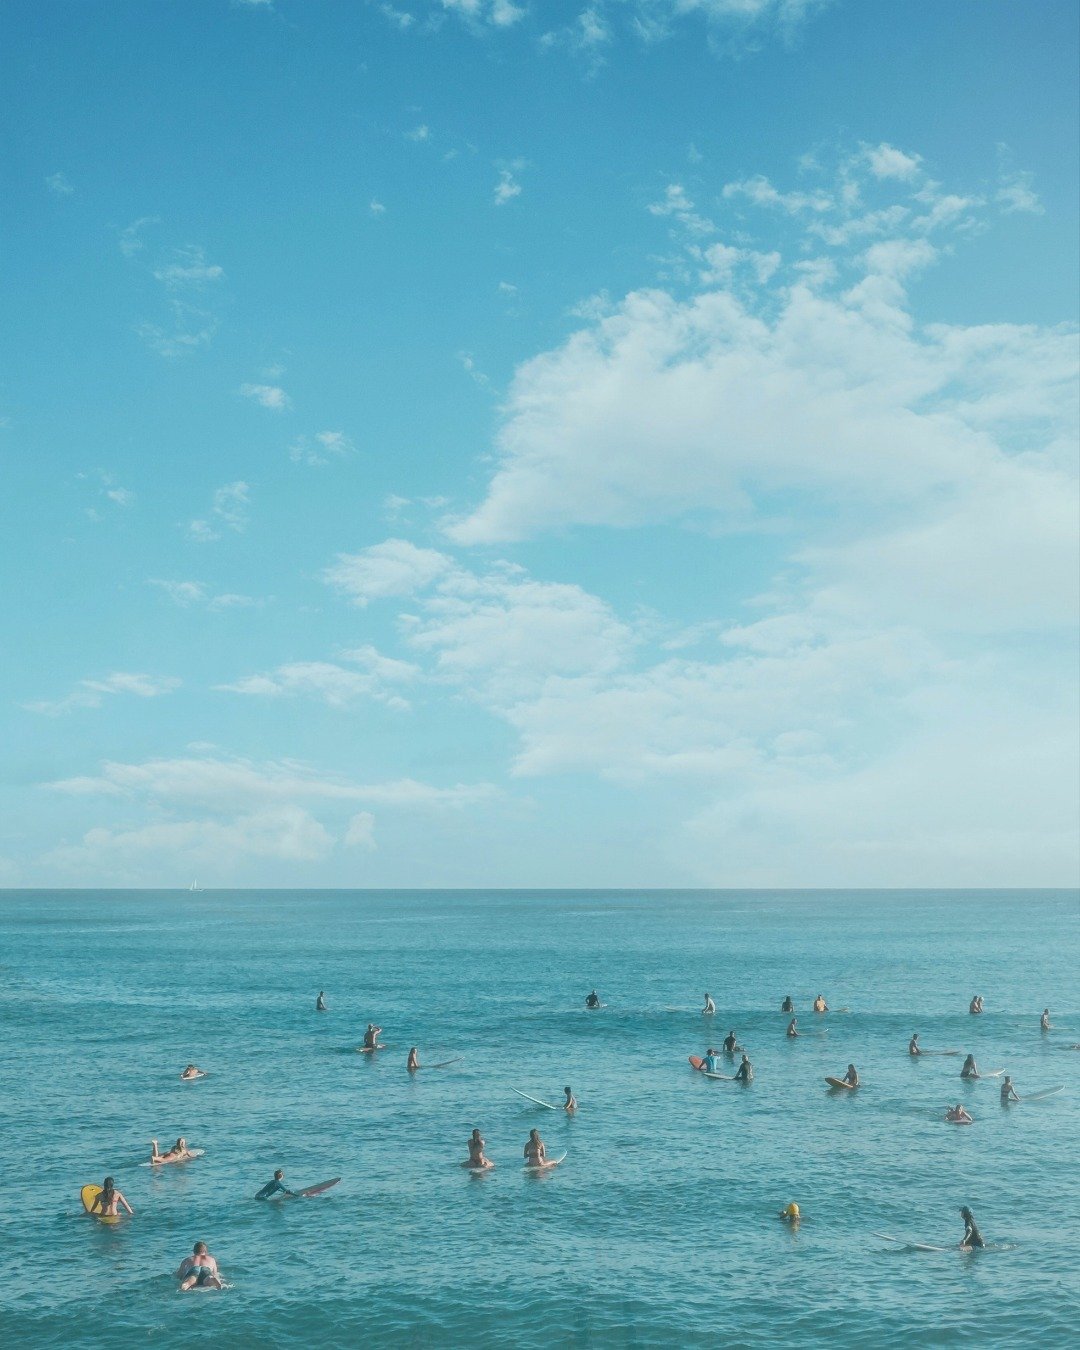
(696, 1062)
(1048, 1092)
(445, 1063)
(191, 1077)
(950, 1121)
(477, 1171)
(191, 1153)
(536, 1100)
(839, 1083)
(994, 1073)
(308, 1190)
(914, 1246)
(935, 1052)
(544, 1167)
(89, 1194)
(369, 1049)
(724, 1077)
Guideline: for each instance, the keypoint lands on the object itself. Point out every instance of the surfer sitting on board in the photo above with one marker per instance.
(708, 1064)
(535, 1152)
(820, 1005)
(1044, 1020)
(957, 1115)
(413, 1062)
(1008, 1092)
(571, 1101)
(972, 1237)
(851, 1078)
(791, 1027)
(108, 1198)
(192, 1071)
(970, 1069)
(731, 1043)
(371, 1037)
(787, 1005)
(277, 1183)
(976, 1004)
(913, 1045)
(745, 1072)
(177, 1153)
(320, 1002)
(710, 1006)
(476, 1152)
(592, 1000)
(200, 1269)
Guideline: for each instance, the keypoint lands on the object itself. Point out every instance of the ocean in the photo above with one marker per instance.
(659, 1229)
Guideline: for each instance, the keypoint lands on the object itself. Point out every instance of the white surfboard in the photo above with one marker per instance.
(913, 1246)
(536, 1100)
(544, 1167)
(1048, 1092)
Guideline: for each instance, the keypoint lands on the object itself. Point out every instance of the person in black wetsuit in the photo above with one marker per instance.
(745, 1072)
(972, 1237)
(320, 1002)
(787, 1005)
(593, 1000)
(731, 1043)
(273, 1186)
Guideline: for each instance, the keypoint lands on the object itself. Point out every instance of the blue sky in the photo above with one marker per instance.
(488, 444)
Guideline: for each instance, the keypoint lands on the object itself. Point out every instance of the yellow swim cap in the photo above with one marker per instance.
(792, 1211)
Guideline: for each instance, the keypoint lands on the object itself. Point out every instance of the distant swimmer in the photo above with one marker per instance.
(320, 1002)
(787, 1005)
(790, 1214)
(592, 1000)
(972, 1237)
(791, 1027)
(1044, 1020)
(273, 1186)
(851, 1078)
(745, 1072)
(1008, 1092)
(709, 1008)
(178, 1152)
(413, 1062)
(970, 1069)
(200, 1270)
(913, 1045)
(820, 1005)
(976, 1004)
(192, 1071)
(571, 1101)
(731, 1043)
(108, 1200)
(535, 1152)
(371, 1037)
(958, 1115)
(477, 1157)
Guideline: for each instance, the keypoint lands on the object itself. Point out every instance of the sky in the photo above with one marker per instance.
(478, 443)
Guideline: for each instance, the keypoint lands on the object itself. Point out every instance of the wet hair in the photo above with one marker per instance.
(966, 1212)
(199, 1249)
(181, 1144)
(278, 1174)
(534, 1134)
(108, 1188)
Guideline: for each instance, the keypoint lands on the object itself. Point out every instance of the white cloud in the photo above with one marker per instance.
(321, 448)
(886, 161)
(376, 208)
(188, 268)
(92, 692)
(270, 396)
(131, 240)
(398, 17)
(394, 567)
(1016, 193)
(482, 14)
(419, 133)
(506, 189)
(188, 593)
(360, 832)
(228, 510)
(58, 185)
(373, 677)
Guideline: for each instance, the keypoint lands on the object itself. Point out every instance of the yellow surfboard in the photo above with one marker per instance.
(89, 1195)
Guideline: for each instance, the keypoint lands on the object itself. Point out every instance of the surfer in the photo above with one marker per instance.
(972, 1237)
(791, 1028)
(790, 1214)
(731, 1043)
(108, 1199)
(592, 1000)
(1008, 1092)
(820, 1005)
(970, 1069)
(708, 1064)
(535, 1152)
(851, 1078)
(1044, 1020)
(477, 1157)
(192, 1071)
(957, 1115)
(320, 1002)
(913, 1045)
(709, 1008)
(177, 1153)
(976, 1004)
(413, 1062)
(571, 1101)
(371, 1037)
(199, 1269)
(787, 1005)
(745, 1072)
(275, 1184)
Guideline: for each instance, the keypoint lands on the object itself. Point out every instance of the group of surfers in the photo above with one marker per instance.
(535, 1152)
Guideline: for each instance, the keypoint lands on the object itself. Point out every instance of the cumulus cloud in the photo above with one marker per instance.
(360, 832)
(392, 568)
(369, 675)
(91, 693)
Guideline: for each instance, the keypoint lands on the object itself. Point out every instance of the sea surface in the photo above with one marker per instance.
(659, 1229)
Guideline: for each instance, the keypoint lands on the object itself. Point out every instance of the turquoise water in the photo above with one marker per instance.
(660, 1227)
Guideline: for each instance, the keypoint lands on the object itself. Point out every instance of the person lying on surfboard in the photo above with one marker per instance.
(320, 1002)
(371, 1037)
(1044, 1020)
(852, 1076)
(787, 1005)
(413, 1062)
(958, 1115)
(192, 1071)
(108, 1199)
(820, 1005)
(571, 1101)
(535, 1152)
(177, 1153)
(791, 1031)
(745, 1072)
(477, 1157)
(731, 1043)
(970, 1069)
(710, 1006)
(275, 1184)
(200, 1268)
(972, 1237)
(1008, 1092)
(592, 1000)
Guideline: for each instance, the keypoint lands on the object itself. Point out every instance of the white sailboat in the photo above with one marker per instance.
(195, 885)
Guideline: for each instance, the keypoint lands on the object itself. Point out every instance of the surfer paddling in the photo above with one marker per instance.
(477, 1159)
(957, 1115)
(820, 1006)
(1008, 1092)
(709, 1008)
(199, 1270)
(108, 1200)
(178, 1153)
(592, 1000)
(972, 1237)
(273, 1186)
(792, 1028)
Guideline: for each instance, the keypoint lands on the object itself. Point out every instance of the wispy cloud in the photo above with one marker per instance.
(270, 396)
(321, 448)
(507, 188)
(92, 692)
(188, 268)
(228, 510)
(368, 675)
(58, 185)
(193, 593)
